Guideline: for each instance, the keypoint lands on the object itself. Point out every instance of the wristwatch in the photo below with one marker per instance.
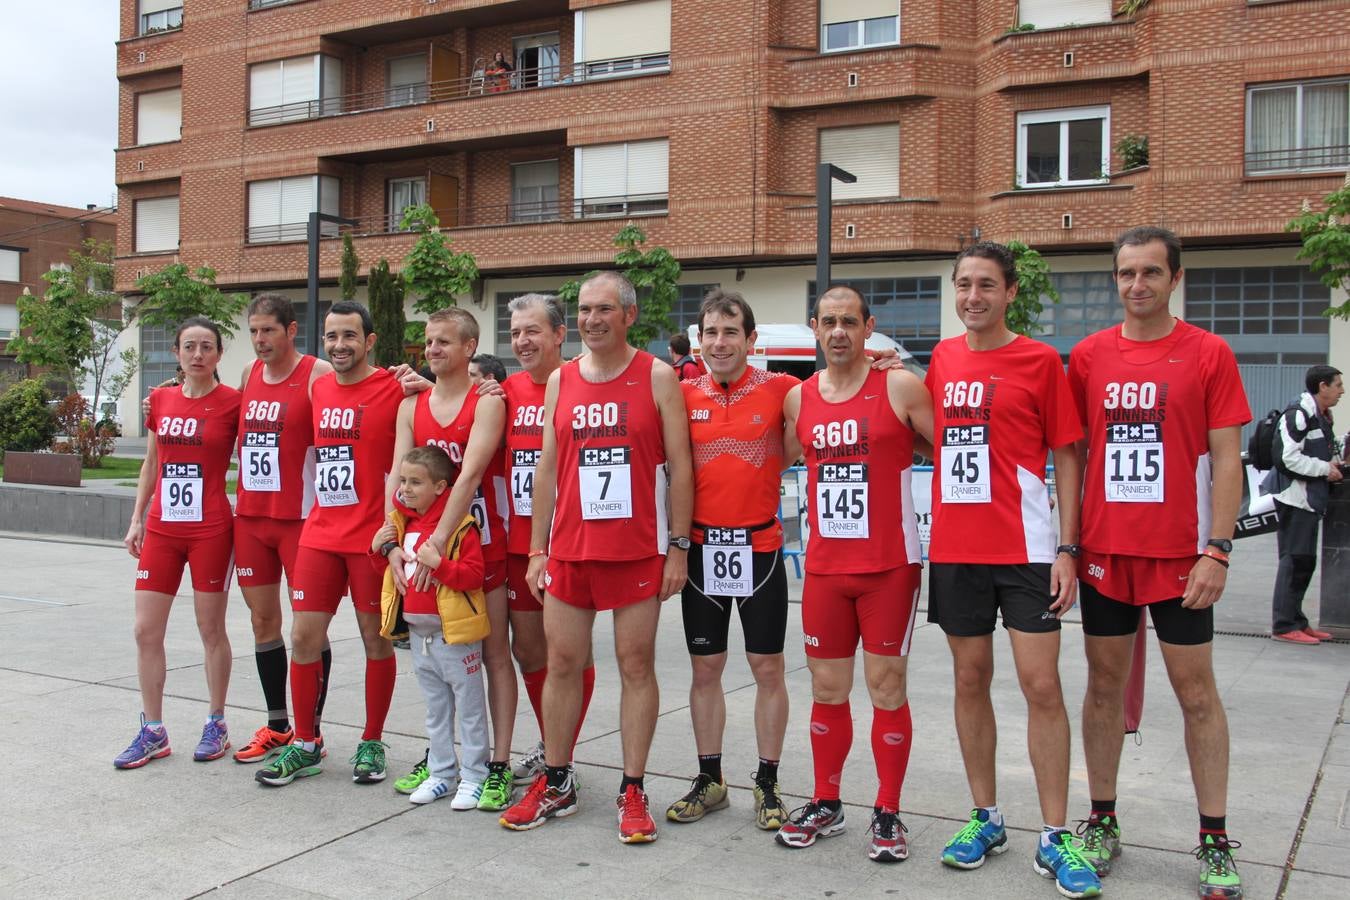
(1071, 549)
(681, 542)
(1221, 544)
(387, 547)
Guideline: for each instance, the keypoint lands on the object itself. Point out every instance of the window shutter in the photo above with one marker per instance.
(832, 11)
(648, 168)
(408, 70)
(154, 6)
(625, 29)
(9, 267)
(872, 152)
(600, 171)
(159, 116)
(300, 79)
(156, 224)
(9, 314)
(1053, 13)
(264, 208)
(297, 202)
(264, 85)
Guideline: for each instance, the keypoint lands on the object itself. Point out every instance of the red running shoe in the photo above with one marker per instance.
(540, 802)
(635, 821)
(264, 743)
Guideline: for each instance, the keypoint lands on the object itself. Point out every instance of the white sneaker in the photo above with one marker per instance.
(467, 795)
(531, 764)
(430, 790)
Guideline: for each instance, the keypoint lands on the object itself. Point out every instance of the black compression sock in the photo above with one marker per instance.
(768, 770)
(833, 805)
(1104, 808)
(327, 658)
(556, 776)
(711, 765)
(272, 671)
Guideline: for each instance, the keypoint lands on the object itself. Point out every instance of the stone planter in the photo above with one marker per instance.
(60, 469)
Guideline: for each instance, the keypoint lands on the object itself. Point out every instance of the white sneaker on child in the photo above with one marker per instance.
(430, 790)
(467, 796)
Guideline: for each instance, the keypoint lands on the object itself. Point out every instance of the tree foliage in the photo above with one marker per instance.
(175, 293)
(656, 276)
(1326, 243)
(1033, 284)
(433, 272)
(91, 440)
(351, 266)
(26, 422)
(385, 293)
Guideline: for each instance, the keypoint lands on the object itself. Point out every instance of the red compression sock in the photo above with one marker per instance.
(831, 739)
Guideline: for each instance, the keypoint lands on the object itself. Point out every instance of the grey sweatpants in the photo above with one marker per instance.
(451, 678)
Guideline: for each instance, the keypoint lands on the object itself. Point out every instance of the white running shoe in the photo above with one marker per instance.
(467, 795)
(430, 790)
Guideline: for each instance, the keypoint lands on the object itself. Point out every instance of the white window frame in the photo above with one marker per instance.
(1063, 117)
(540, 210)
(327, 193)
(11, 263)
(859, 36)
(1296, 151)
(396, 215)
(9, 320)
(1064, 13)
(583, 69)
(138, 209)
(161, 17)
(323, 102)
(408, 92)
(877, 178)
(656, 203)
(141, 123)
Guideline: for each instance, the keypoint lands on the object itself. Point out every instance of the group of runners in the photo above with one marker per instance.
(608, 484)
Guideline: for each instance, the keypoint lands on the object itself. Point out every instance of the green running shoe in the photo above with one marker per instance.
(413, 780)
(1218, 873)
(367, 762)
(704, 796)
(293, 762)
(1101, 842)
(496, 794)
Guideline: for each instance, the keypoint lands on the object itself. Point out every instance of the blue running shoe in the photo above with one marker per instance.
(215, 741)
(1063, 861)
(150, 743)
(968, 847)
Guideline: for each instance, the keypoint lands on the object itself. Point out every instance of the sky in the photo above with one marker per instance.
(58, 101)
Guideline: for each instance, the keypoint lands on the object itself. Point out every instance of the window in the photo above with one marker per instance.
(9, 264)
(908, 310)
(403, 193)
(537, 59)
(622, 179)
(1292, 127)
(9, 321)
(858, 24)
(683, 313)
(278, 210)
(1058, 13)
(1088, 302)
(285, 90)
(156, 225)
(1059, 147)
(622, 38)
(160, 15)
(158, 363)
(534, 191)
(871, 152)
(407, 80)
(1266, 313)
(159, 116)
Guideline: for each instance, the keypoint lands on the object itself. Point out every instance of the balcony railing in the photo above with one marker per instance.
(1261, 162)
(264, 4)
(480, 83)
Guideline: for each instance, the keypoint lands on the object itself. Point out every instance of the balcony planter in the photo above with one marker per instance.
(59, 469)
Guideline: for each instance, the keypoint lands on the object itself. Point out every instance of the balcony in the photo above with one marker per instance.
(1292, 160)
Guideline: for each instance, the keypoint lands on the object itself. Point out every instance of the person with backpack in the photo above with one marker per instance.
(685, 367)
(1305, 466)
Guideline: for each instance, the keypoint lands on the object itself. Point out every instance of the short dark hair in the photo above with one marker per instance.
(490, 365)
(279, 306)
(352, 308)
(1147, 234)
(1318, 376)
(679, 343)
(727, 303)
(993, 252)
(839, 290)
(198, 322)
(432, 458)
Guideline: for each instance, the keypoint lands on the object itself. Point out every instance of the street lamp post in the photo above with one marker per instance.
(826, 175)
(312, 292)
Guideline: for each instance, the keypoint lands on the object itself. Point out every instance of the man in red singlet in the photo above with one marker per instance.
(1163, 407)
(354, 410)
(615, 443)
(857, 427)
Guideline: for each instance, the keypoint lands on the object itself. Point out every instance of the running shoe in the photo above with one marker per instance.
(293, 762)
(264, 744)
(539, 803)
(413, 780)
(808, 823)
(705, 796)
(531, 764)
(769, 812)
(1218, 872)
(367, 762)
(466, 797)
(888, 837)
(1101, 842)
(149, 743)
(430, 790)
(969, 847)
(635, 820)
(496, 795)
(1063, 861)
(215, 741)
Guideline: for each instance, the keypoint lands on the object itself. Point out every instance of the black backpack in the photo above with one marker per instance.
(1261, 445)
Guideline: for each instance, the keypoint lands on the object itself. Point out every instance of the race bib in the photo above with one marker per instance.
(1134, 463)
(523, 463)
(965, 464)
(606, 483)
(335, 476)
(728, 567)
(841, 500)
(180, 492)
(260, 462)
(478, 506)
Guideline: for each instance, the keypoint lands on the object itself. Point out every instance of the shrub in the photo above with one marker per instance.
(26, 423)
(91, 441)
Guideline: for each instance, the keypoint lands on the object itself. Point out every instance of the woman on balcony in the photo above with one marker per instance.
(499, 73)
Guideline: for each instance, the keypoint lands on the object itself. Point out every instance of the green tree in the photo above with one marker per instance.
(656, 276)
(1326, 243)
(1033, 284)
(350, 267)
(73, 329)
(432, 271)
(26, 421)
(174, 293)
(385, 293)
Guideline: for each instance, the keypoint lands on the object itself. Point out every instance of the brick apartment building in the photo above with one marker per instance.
(34, 239)
(702, 121)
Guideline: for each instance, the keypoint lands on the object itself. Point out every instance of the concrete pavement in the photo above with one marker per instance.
(74, 826)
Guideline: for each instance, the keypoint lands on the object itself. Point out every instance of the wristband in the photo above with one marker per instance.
(533, 553)
(1071, 549)
(387, 547)
(1215, 555)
